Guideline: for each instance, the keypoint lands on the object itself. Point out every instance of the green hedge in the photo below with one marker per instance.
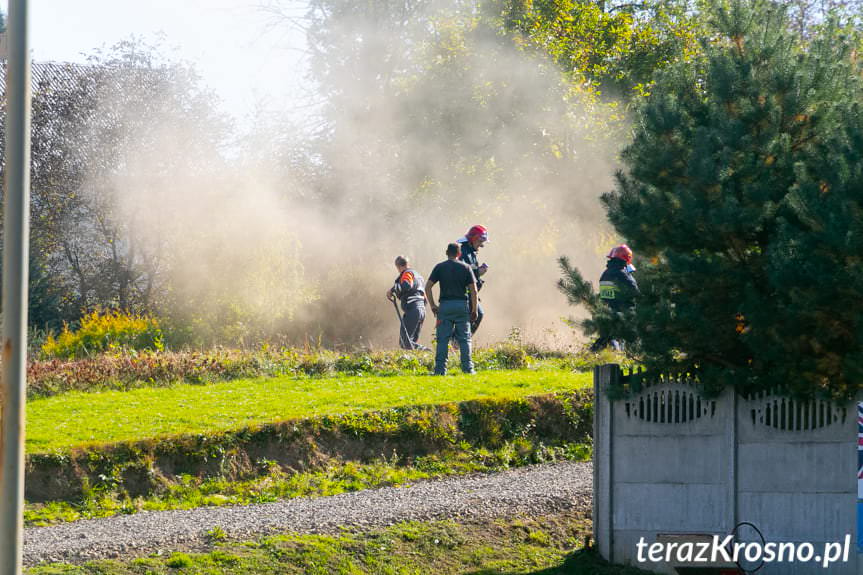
(126, 370)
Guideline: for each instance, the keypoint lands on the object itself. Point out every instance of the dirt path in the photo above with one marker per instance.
(534, 490)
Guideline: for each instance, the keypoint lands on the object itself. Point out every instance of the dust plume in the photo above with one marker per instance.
(292, 233)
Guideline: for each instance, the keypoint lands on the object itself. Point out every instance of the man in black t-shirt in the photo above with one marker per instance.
(457, 308)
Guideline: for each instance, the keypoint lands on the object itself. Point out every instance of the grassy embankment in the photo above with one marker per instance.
(244, 441)
(78, 419)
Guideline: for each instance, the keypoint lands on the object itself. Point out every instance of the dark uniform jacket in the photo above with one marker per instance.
(469, 256)
(409, 287)
(617, 287)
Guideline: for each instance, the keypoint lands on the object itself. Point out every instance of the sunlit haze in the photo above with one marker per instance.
(243, 52)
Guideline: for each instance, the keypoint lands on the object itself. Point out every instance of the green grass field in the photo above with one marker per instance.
(76, 419)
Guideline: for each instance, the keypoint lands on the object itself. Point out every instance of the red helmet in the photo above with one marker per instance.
(621, 252)
(477, 232)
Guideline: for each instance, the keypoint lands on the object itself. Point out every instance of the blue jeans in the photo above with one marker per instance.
(453, 317)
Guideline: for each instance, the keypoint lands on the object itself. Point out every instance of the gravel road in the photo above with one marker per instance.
(534, 490)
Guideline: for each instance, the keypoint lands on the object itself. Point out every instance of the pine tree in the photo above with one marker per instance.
(816, 321)
(722, 195)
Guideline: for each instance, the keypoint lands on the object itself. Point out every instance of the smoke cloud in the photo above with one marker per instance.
(292, 234)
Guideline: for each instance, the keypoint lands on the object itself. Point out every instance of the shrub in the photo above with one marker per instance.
(100, 332)
(510, 356)
(178, 561)
(216, 534)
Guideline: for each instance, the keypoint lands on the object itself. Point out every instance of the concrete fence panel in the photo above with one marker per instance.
(671, 463)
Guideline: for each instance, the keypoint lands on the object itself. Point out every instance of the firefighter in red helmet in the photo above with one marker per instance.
(470, 244)
(617, 288)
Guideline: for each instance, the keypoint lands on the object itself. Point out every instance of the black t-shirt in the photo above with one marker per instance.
(454, 278)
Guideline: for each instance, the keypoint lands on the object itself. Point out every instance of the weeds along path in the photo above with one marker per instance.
(531, 491)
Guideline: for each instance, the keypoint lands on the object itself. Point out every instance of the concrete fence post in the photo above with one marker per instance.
(731, 457)
(603, 425)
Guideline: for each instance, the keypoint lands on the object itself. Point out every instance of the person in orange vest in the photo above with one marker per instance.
(409, 289)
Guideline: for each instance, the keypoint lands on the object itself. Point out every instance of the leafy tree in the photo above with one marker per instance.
(44, 298)
(805, 15)
(54, 175)
(150, 124)
(93, 126)
(611, 47)
(724, 189)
